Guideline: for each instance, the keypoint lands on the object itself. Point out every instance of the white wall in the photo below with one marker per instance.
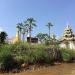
(72, 45)
(62, 45)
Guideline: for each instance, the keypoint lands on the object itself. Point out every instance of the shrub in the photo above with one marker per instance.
(13, 56)
(39, 56)
(32, 54)
(7, 61)
(67, 55)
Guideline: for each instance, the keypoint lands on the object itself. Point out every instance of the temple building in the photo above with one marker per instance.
(68, 39)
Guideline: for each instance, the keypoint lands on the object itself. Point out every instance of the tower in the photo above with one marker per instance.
(17, 38)
(68, 33)
(68, 38)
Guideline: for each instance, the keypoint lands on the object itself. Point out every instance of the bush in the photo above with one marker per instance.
(38, 56)
(32, 54)
(7, 61)
(13, 56)
(67, 55)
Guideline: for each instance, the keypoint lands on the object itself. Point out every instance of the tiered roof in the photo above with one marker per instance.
(68, 34)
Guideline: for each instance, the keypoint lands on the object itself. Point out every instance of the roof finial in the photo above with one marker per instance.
(68, 25)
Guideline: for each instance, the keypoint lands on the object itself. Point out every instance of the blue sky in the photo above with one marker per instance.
(59, 12)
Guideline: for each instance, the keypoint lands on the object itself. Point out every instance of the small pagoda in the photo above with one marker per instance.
(68, 38)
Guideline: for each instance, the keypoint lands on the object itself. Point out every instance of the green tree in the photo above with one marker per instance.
(53, 39)
(42, 37)
(49, 25)
(20, 26)
(24, 32)
(30, 23)
(3, 36)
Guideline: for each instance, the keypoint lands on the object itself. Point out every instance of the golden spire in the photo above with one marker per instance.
(17, 38)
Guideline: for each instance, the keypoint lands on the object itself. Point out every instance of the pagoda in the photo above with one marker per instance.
(68, 38)
(17, 37)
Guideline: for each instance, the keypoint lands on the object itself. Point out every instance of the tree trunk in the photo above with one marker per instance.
(49, 34)
(20, 35)
(23, 37)
(30, 34)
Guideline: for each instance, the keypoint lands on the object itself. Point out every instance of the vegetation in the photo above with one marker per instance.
(43, 37)
(3, 36)
(30, 23)
(24, 32)
(13, 56)
(26, 27)
(19, 26)
(49, 25)
(67, 55)
(23, 54)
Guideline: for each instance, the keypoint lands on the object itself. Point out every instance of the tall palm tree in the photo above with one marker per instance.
(24, 32)
(49, 25)
(20, 26)
(30, 23)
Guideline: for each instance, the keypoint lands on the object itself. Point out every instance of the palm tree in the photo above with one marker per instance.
(20, 26)
(49, 25)
(30, 23)
(24, 31)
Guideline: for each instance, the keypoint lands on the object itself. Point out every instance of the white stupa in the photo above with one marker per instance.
(68, 38)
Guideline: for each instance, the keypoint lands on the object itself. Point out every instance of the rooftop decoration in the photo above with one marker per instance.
(68, 34)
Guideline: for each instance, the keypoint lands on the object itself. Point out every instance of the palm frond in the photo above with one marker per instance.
(34, 24)
(49, 24)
